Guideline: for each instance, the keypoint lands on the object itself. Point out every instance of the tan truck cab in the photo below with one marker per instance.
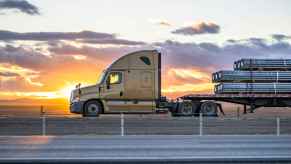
(130, 84)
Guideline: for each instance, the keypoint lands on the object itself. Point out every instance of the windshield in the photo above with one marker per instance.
(101, 77)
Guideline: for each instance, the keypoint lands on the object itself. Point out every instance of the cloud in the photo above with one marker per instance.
(15, 78)
(81, 37)
(63, 65)
(101, 54)
(280, 37)
(164, 23)
(211, 56)
(18, 83)
(198, 28)
(8, 74)
(21, 5)
(47, 36)
(114, 41)
(178, 76)
(160, 22)
(27, 58)
(183, 63)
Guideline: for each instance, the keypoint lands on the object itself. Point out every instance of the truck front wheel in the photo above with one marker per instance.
(92, 108)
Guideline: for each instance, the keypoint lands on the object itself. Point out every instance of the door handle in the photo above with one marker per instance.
(121, 93)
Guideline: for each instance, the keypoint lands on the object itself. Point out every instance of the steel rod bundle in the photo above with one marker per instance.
(251, 76)
(270, 76)
(271, 88)
(262, 64)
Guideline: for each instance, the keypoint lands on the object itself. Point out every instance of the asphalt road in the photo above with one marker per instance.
(156, 149)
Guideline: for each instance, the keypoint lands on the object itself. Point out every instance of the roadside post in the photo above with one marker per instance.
(278, 126)
(200, 124)
(238, 112)
(42, 112)
(122, 124)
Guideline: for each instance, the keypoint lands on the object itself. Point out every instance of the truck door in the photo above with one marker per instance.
(113, 92)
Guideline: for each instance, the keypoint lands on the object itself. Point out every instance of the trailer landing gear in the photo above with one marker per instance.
(245, 109)
(251, 109)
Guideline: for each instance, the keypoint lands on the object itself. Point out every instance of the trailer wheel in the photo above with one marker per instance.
(185, 109)
(209, 108)
(92, 108)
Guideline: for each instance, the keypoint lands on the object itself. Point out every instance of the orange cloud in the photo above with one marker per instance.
(188, 88)
(22, 75)
(50, 69)
(178, 81)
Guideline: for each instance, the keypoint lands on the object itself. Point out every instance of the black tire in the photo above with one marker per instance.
(92, 108)
(209, 108)
(186, 109)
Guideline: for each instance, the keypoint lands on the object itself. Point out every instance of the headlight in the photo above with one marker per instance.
(74, 97)
(71, 97)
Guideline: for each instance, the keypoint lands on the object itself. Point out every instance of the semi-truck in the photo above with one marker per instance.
(132, 84)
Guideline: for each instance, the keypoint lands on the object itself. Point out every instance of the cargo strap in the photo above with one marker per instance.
(277, 76)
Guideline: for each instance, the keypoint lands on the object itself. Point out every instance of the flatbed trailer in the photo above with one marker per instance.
(253, 101)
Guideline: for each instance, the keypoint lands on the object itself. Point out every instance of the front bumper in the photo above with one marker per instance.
(76, 107)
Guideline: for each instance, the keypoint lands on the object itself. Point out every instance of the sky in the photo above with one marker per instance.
(48, 46)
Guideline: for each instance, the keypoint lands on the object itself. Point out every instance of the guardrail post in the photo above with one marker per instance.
(122, 124)
(200, 124)
(42, 111)
(278, 126)
(238, 112)
(245, 109)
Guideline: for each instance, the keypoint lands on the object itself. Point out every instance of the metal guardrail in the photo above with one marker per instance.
(143, 125)
(235, 123)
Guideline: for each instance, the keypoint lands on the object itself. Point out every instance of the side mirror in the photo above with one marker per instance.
(78, 85)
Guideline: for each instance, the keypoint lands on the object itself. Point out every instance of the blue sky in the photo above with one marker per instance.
(132, 19)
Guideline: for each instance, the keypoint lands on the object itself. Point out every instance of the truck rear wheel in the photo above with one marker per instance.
(209, 108)
(92, 108)
(187, 108)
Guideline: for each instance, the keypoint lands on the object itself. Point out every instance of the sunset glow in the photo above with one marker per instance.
(63, 93)
(192, 73)
(66, 91)
(188, 88)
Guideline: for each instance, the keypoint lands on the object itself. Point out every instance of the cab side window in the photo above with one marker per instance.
(115, 78)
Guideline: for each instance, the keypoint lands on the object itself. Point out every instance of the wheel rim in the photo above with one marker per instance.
(209, 108)
(187, 109)
(93, 109)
